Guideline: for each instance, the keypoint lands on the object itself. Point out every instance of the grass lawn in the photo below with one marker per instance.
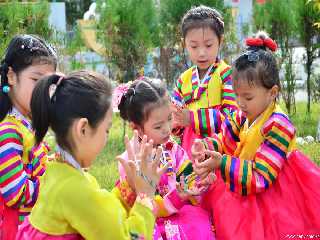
(105, 168)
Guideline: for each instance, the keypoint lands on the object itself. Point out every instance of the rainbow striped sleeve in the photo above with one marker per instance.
(230, 130)
(177, 94)
(254, 176)
(228, 101)
(213, 143)
(16, 187)
(206, 121)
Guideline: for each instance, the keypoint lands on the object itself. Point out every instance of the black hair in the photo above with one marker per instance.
(257, 65)
(82, 94)
(202, 17)
(142, 96)
(22, 52)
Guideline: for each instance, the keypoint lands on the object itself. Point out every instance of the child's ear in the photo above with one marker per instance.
(274, 91)
(12, 77)
(82, 127)
(221, 40)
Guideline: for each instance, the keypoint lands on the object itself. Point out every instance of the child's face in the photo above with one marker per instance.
(23, 83)
(95, 140)
(202, 45)
(159, 124)
(254, 99)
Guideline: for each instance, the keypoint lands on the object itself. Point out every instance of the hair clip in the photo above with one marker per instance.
(130, 92)
(252, 56)
(220, 21)
(53, 87)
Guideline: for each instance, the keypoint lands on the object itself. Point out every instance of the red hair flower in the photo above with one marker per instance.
(259, 42)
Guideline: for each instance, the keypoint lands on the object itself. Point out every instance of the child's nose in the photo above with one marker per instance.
(202, 51)
(240, 103)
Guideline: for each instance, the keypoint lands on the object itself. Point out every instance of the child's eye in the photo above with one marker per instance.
(193, 47)
(249, 99)
(208, 46)
(158, 127)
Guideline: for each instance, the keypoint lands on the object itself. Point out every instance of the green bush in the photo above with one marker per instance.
(23, 17)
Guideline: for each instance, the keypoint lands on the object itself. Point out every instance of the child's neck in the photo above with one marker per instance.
(68, 158)
(202, 73)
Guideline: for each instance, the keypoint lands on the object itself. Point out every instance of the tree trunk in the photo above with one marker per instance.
(308, 68)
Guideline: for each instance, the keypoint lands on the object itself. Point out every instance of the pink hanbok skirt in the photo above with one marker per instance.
(289, 209)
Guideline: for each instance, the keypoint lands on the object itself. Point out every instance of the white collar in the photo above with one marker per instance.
(68, 158)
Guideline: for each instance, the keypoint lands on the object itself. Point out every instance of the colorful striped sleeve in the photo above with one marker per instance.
(213, 143)
(16, 187)
(177, 96)
(230, 130)
(207, 121)
(228, 101)
(253, 176)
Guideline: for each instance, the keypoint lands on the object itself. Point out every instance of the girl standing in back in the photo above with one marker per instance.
(204, 90)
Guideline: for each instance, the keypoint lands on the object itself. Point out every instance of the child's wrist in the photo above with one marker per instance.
(145, 200)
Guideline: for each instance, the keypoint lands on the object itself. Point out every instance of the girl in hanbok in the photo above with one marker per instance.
(205, 90)
(146, 106)
(265, 187)
(22, 162)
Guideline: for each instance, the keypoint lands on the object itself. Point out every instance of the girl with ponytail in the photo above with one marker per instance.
(27, 58)
(71, 205)
(265, 188)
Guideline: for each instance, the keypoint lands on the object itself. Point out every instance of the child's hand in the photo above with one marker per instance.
(202, 169)
(204, 184)
(142, 174)
(183, 190)
(132, 151)
(181, 117)
(198, 151)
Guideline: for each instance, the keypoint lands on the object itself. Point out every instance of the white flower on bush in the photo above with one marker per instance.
(305, 140)
(309, 139)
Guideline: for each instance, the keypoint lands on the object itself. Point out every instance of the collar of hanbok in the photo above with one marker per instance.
(199, 86)
(166, 158)
(66, 157)
(20, 117)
